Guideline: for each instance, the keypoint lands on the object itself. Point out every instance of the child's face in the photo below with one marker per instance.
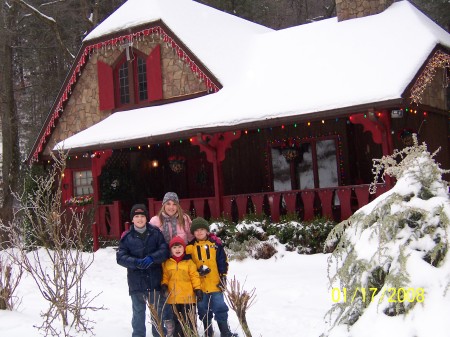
(170, 208)
(139, 220)
(177, 250)
(201, 234)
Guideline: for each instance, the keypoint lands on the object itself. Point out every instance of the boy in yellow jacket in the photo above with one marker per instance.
(181, 285)
(212, 265)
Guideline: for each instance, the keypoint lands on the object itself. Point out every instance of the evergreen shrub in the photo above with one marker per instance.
(305, 238)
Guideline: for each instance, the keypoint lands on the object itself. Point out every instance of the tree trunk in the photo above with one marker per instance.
(10, 133)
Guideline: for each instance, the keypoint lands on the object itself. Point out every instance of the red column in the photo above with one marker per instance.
(215, 146)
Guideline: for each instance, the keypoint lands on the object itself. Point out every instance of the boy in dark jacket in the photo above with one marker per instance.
(212, 264)
(142, 250)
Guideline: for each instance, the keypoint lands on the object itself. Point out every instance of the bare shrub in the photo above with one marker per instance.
(240, 301)
(155, 316)
(48, 239)
(264, 251)
(188, 321)
(9, 280)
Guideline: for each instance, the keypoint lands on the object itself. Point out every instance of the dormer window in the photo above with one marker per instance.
(130, 79)
(134, 79)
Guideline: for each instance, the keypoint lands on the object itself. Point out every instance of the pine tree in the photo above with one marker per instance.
(406, 226)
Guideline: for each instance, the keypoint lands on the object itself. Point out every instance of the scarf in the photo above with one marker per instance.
(169, 226)
(179, 258)
(141, 232)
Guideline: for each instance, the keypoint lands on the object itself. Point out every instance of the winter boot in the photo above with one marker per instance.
(170, 327)
(225, 330)
(209, 332)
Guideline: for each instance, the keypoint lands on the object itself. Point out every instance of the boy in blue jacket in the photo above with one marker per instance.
(142, 250)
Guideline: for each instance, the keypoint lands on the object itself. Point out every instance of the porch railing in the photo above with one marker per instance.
(337, 203)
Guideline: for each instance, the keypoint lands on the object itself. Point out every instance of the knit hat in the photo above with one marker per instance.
(139, 209)
(170, 196)
(176, 240)
(199, 223)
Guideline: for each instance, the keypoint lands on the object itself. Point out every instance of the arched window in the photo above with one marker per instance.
(134, 79)
(130, 79)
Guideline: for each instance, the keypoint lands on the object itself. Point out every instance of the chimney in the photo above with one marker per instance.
(349, 9)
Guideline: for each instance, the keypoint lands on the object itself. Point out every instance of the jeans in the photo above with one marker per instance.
(139, 305)
(213, 303)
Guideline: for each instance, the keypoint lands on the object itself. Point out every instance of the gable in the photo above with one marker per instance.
(78, 105)
(430, 86)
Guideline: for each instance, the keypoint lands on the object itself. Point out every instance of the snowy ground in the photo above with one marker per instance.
(291, 297)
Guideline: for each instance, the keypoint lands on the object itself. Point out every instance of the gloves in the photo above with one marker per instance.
(198, 294)
(144, 263)
(204, 270)
(165, 290)
(223, 283)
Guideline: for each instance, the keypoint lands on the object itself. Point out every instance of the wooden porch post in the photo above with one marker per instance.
(214, 147)
(98, 160)
(379, 125)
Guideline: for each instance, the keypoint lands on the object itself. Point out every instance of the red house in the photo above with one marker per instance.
(173, 95)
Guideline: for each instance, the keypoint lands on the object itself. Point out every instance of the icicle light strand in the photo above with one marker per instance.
(108, 44)
(438, 60)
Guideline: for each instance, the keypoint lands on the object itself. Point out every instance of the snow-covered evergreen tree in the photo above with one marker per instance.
(379, 249)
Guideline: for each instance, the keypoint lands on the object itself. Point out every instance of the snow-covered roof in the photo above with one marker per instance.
(308, 69)
(219, 40)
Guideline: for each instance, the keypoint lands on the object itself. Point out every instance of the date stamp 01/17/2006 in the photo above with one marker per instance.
(394, 295)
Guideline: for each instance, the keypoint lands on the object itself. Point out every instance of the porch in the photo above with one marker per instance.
(337, 203)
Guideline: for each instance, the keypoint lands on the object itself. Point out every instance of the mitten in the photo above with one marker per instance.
(223, 282)
(146, 262)
(204, 270)
(198, 294)
(138, 263)
(165, 290)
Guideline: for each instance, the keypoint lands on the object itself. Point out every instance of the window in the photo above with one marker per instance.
(134, 78)
(307, 164)
(82, 183)
(131, 79)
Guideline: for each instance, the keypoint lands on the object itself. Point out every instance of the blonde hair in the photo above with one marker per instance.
(180, 214)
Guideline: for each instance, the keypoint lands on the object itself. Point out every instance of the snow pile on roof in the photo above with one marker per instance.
(218, 39)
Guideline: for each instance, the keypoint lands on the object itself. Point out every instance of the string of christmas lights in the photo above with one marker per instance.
(438, 60)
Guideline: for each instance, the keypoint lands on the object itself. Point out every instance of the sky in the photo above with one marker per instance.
(269, 74)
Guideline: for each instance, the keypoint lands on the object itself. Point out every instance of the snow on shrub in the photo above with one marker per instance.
(383, 250)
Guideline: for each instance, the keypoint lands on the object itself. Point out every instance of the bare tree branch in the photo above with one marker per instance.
(49, 21)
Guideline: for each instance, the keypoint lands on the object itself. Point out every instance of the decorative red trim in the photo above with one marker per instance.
(87, 51)
(67, 185)
(218, 142)
(105, 86)
(368, 125)
(379, 125)
(154, 75)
